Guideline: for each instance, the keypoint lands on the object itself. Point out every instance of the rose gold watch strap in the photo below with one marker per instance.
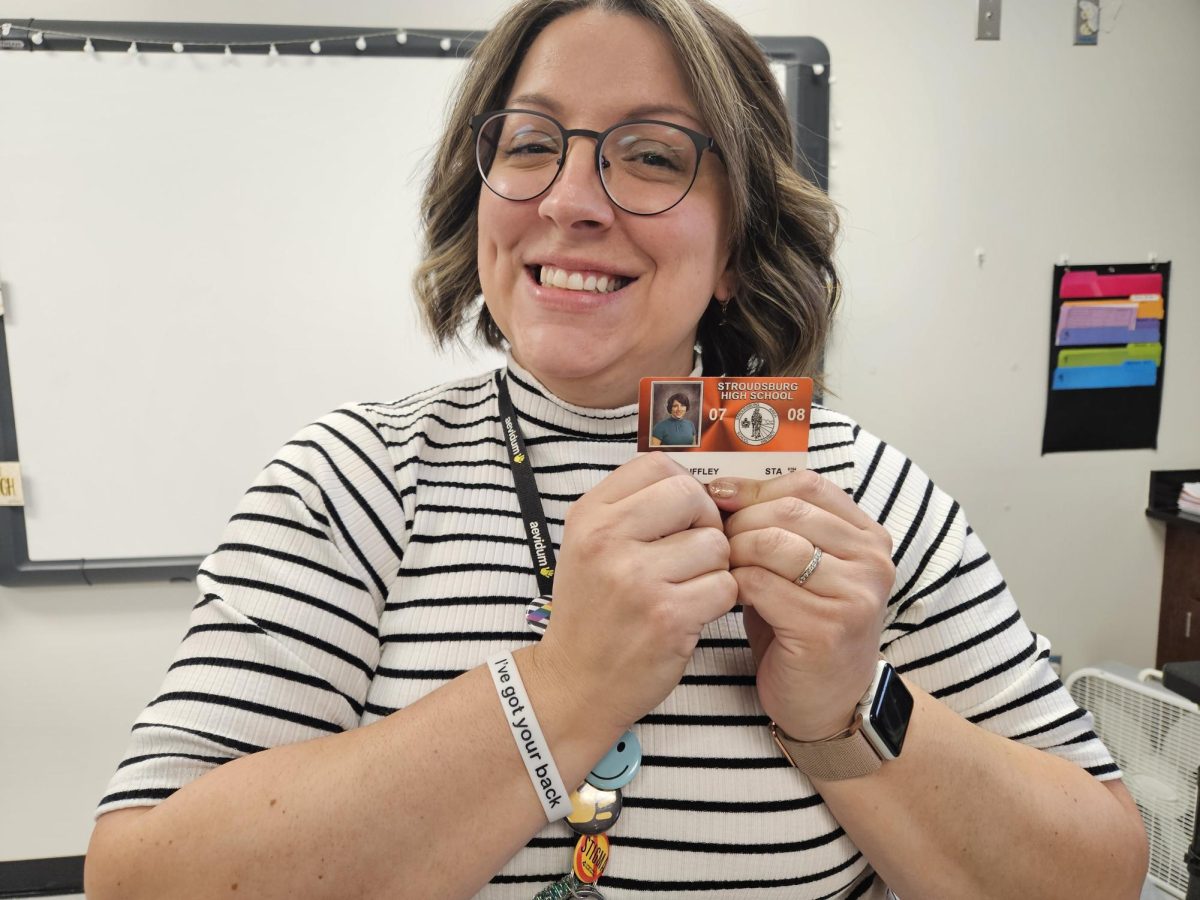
(845, 755)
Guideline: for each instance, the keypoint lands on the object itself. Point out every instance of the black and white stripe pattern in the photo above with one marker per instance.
(380, 555)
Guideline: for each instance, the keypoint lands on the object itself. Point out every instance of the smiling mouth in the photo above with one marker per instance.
(611, 777)
(585, 282)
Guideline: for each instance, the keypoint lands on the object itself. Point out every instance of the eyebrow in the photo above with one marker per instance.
(646, 111)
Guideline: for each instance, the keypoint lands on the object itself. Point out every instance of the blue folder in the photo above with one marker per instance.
(1147, 332)
(1134, 373)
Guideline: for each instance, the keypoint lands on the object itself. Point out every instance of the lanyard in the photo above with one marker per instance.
(533, 517)
(592, 849)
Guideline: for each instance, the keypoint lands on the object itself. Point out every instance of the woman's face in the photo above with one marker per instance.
(592, 69)
(677, 410)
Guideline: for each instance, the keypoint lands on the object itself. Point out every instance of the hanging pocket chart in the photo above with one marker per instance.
(1106, 356)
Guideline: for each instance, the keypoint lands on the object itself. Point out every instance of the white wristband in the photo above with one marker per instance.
(527, 734)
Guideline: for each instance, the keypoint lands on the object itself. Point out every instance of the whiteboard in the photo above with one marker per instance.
(199, 254)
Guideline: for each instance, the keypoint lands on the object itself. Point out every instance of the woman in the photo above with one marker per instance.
(330, 728)
(674, 429)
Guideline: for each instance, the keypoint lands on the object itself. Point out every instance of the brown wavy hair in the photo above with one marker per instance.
(783, 228)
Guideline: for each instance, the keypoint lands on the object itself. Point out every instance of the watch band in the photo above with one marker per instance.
(845, 755)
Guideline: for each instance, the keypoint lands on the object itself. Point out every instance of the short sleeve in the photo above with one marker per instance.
(284, 640)
(953, 627)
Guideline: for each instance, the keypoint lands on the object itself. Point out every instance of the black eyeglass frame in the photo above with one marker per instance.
(701, 141)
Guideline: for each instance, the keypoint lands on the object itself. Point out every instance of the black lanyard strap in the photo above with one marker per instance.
(533, 516)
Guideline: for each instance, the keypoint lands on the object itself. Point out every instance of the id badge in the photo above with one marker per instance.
(743, 427)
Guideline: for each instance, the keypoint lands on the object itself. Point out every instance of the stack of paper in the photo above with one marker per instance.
(1189, 498)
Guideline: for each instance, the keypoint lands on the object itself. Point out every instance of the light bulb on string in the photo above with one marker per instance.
(88, 46)
(445, 43)
(177, 47)
(315, 46)
(401, 37)
(133, 49)
(818, 69)
(228, 51)
(361, 43)
(5, 29)
(274, 51)
(37, 37)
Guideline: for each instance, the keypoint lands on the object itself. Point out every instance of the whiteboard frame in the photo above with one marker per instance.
(806, 90)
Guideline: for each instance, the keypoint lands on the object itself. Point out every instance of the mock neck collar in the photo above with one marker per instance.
(536, 403)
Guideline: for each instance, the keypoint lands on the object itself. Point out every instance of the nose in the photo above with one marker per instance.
(577, 198)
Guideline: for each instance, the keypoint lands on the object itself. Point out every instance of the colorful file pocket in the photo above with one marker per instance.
(1106, 356)
(1113, 325)
(1110, 356)
(1147, 331)
(1134, 373)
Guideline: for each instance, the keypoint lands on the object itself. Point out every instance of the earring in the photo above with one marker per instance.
(724, 304)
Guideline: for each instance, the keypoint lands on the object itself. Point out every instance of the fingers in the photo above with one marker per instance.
(665, 506)
(800, 617)
(734, 494)
(705, 599)
(816, 526)
(689, 554)
(640, 472)
(787, 555)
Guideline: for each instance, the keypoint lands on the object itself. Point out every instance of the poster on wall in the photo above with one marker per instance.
(1108, 338)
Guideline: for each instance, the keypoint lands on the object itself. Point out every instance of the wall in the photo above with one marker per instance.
(1028, 148)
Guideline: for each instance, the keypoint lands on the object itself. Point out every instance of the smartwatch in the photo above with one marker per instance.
(876, 735)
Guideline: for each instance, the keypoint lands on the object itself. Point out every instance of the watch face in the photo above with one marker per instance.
(891, 709)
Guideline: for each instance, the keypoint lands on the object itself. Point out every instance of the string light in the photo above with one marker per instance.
(401, 37)
(361, 43)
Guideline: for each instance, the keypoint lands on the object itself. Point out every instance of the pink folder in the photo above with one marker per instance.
(1090, 283)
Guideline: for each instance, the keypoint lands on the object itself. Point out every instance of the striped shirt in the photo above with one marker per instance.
(381, 554)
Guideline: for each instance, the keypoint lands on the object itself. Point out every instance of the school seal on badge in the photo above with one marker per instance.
(756, 423)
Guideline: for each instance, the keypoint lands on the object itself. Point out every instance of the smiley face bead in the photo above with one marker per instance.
(619, 764)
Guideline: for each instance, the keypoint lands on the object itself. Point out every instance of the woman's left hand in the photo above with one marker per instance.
(816, 646)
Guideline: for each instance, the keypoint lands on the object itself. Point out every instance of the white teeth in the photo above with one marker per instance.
(577, 281)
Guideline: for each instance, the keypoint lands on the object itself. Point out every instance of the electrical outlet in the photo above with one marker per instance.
(988, 28)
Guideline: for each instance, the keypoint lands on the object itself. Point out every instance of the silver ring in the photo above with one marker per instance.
(811, 567)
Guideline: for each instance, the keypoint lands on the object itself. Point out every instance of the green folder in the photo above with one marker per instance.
(1110, 356)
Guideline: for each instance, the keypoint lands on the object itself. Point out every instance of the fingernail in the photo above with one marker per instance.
(722, 489)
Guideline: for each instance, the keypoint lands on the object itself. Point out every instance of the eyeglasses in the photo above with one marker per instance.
(645, 166)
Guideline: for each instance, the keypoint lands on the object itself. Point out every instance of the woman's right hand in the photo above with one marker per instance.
(644, 566)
